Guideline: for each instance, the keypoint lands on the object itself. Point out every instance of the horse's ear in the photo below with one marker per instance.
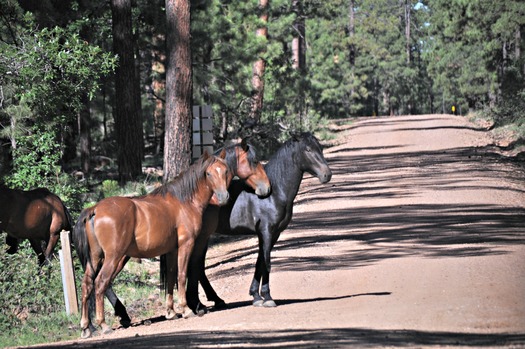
(205, 155)
(244, 144)
(222, 155)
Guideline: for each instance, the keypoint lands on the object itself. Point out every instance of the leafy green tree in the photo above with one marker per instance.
(44, 73)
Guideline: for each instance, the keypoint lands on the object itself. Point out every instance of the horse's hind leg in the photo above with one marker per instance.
(171, 271)
(53, 239)
(120, 309)
(104, 278)
(37, 247)
(12, 242)
(87, 289)
(206, 285)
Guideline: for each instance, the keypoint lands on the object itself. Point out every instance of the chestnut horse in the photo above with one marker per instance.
(243, 163)
(166, 220)
(37, 215)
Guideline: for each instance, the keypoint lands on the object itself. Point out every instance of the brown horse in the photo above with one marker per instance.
(167, 220)
(243, 163)
(37, 215)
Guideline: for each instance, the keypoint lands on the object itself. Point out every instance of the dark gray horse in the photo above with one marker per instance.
(266, 217)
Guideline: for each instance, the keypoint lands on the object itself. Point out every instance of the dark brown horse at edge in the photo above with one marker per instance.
(37, 215)
(166, 220)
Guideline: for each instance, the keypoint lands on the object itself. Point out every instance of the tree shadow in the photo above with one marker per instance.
(305, 338)
(289, 301)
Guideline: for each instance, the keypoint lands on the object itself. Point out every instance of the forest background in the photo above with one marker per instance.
(86, 85)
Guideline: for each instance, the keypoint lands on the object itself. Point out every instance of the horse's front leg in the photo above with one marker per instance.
(262, 271)
(186, 243)
(171, 271)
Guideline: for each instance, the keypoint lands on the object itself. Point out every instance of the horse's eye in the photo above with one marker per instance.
(208, 174)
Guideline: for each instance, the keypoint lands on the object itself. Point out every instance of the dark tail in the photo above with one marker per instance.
(79, 237)
(70, 221)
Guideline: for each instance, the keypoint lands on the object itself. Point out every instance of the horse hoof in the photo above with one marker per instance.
(125, 323)
(269, 304)
(201, 310)
(170, 314)
(86, 333)
(258, 302)
(219, 305)
(188, 313)
(106, 329)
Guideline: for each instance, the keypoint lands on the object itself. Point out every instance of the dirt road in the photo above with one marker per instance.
(418, 241)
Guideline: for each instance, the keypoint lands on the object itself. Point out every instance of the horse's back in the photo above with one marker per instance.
(27, 214)
(143, 227)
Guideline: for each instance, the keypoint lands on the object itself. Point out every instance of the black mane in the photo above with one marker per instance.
(283, 155)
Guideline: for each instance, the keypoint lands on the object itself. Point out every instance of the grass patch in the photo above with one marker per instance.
(33, 309)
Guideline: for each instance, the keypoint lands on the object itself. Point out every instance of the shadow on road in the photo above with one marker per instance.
(305, 338)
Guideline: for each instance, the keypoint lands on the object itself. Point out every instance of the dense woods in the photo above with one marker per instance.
(83, 79)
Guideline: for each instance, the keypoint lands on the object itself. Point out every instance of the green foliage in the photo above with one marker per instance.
(110, 188)
(45, 74)
(31, 298)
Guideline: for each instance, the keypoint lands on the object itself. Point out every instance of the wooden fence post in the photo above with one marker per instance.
(68, 276)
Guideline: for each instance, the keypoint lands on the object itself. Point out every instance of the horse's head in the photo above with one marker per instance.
(218, 178)
(250, 169)
(312, 159)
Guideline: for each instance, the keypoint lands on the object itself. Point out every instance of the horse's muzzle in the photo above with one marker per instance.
(220, 198)
(325, 176)
(263, 190)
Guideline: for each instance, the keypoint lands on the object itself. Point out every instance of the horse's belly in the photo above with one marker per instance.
(150, 250)
(152, 244)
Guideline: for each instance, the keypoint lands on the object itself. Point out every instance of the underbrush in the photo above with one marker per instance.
(33, 309)
(506, 121)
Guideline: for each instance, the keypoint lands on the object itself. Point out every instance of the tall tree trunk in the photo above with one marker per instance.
(128, 121)
(351, 48)
(259, 66)
(299, 55)
(158, 86)
(408, 5)
(299, 37)
(177, 134)
(84, 131)
(351, 33)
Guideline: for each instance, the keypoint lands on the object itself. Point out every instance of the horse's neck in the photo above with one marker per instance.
(285, 177)
(202, 197)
